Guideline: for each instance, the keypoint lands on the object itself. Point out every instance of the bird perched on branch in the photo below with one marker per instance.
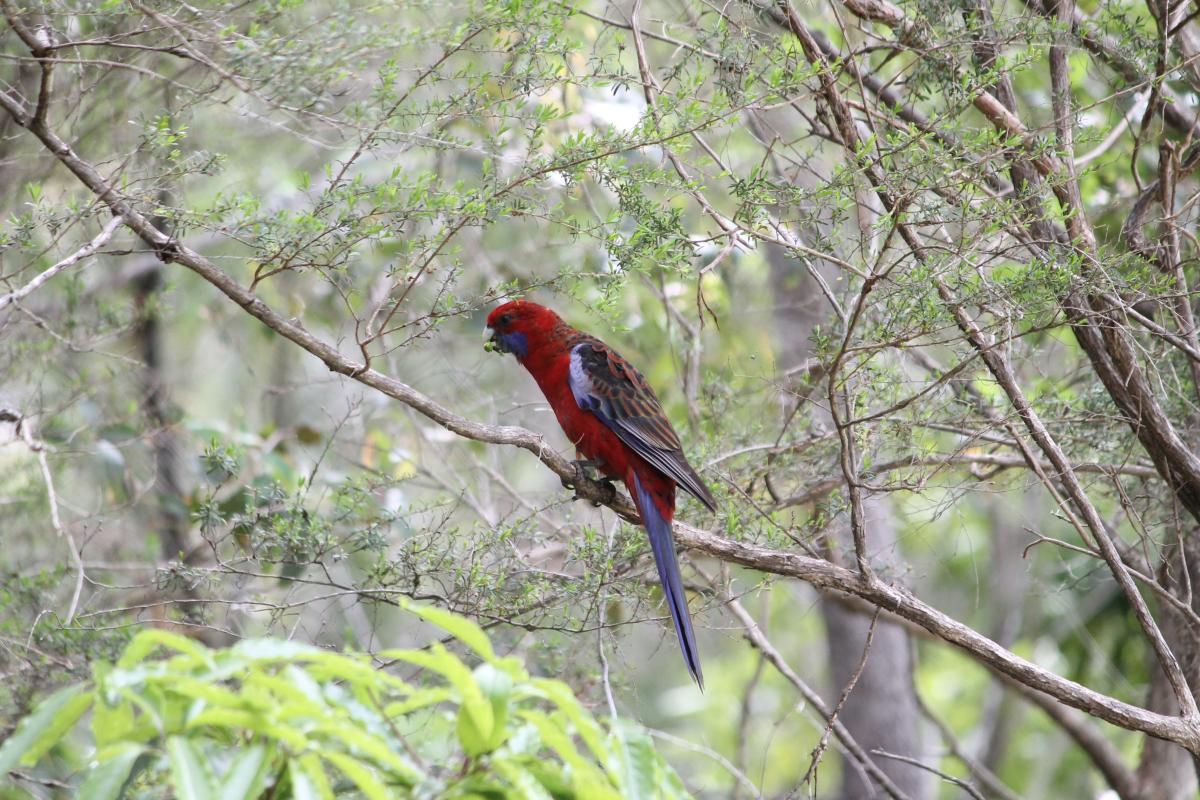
(611, 415)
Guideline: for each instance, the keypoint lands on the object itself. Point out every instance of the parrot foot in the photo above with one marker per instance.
(581, 474)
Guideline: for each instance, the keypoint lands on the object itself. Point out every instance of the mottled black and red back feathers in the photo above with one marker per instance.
(609, 386)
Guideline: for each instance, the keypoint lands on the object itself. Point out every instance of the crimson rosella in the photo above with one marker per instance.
(611, 415)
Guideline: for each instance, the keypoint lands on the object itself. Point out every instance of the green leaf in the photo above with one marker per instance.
(309, 781)
(235, 719)
(112, 722)
(39, 731)
(473, 740)
(246, 774)
(643, 772)
(585, 725)
(440, 660)
(589, 782)
(497, 687)
(371, 747)
(205, 690)
(63, 721)
(284, 689)
(460, 628)
(421, 698)
(273, 650)
(148, 641)
(363, 777)
(189, 771)
(525, 784)
(551, 774)
(107, 777)
(324, 666)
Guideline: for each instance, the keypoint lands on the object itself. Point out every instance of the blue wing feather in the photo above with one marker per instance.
(607, 385)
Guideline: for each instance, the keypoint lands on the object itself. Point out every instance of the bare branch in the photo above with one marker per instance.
(24, 429)
(83, 253)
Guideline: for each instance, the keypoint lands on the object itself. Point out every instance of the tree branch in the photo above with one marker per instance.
(87, 251)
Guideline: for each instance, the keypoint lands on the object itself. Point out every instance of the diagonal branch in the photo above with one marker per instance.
(85, 252)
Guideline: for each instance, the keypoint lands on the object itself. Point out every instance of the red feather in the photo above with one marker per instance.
(610, 413)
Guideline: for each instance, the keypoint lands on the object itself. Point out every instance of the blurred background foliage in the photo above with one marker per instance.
(384, 174)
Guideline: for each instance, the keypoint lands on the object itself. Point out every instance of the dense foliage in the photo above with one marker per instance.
(913, 280)
(273, 718)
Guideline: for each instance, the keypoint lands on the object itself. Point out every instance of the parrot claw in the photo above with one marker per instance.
(581, 474)
(610, 493)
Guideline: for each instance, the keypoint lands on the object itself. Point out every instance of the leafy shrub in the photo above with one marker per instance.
(276, 719)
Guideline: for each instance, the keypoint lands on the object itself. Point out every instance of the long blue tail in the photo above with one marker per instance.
(663, 546)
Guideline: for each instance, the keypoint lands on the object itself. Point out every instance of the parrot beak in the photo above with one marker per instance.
(489, 340)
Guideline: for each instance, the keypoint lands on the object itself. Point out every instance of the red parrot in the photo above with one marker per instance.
(611, 415)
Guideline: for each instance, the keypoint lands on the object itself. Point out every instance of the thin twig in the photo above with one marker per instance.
(959, 782)
(38, 448)
(845, 695)
(756, 637)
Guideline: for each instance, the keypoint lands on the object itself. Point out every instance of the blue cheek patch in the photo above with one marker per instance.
(514, 343)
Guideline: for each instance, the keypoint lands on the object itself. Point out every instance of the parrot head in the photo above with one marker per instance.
(516, 325)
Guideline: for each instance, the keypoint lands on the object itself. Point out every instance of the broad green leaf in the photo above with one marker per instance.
(551, 774)
(635, 776)
(473, 740)
(371, 747)
(189, 770)
(588, 781)
(273, 650)
(232, 718)
(525, 784)
(440, 660)
(207, 691)
(585, 724)
(39, 731)
(107, 776)
(497, 687)
(63, 721)
(247, 773)
(152, 722)
(323, 666)
(422, 698)
(148, 640)
(309, 781)
(293, 686)
(112, 722)
(460, 628)
(363, 776)
(643, 772)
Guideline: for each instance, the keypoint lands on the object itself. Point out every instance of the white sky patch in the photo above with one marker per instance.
(622, 111)
(394, 499)
(438, 434)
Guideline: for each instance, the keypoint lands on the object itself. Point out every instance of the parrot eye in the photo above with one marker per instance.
(504, 319)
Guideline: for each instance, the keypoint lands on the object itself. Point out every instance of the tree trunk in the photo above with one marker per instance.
(881, 712)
